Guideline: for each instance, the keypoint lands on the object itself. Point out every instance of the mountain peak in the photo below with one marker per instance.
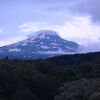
(43, 33)
(46, 32)
(43, 43)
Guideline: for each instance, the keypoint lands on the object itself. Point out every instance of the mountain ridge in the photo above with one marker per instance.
(43, 42)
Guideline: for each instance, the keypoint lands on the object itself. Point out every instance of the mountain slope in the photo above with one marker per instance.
(41, 44)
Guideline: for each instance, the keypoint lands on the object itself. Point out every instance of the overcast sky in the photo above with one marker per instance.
(77, 20)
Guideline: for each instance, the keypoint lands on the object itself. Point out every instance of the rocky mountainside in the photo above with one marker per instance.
(41, 44)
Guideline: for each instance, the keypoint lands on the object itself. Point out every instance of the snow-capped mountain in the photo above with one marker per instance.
(40, 44)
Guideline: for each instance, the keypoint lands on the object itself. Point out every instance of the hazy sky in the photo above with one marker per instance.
(77, 20)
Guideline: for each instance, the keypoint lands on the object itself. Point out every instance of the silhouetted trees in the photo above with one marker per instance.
(67, 77)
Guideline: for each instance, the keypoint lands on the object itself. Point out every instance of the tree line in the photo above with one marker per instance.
(67, 77)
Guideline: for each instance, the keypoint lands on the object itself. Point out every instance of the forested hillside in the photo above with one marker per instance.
(67, 77)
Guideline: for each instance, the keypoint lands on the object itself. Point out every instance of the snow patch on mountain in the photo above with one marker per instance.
(41, 43)
(58, 52)
(44, 47)
(59, 49)
(48, 37)
(42, 36)
(14, 50)
(32, 38)
(55, 44)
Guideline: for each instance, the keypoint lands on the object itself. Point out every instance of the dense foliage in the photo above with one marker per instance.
(67, 77)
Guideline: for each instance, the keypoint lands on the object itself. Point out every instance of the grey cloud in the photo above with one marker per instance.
(50, 7)
(79, 7)
(89, 7)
